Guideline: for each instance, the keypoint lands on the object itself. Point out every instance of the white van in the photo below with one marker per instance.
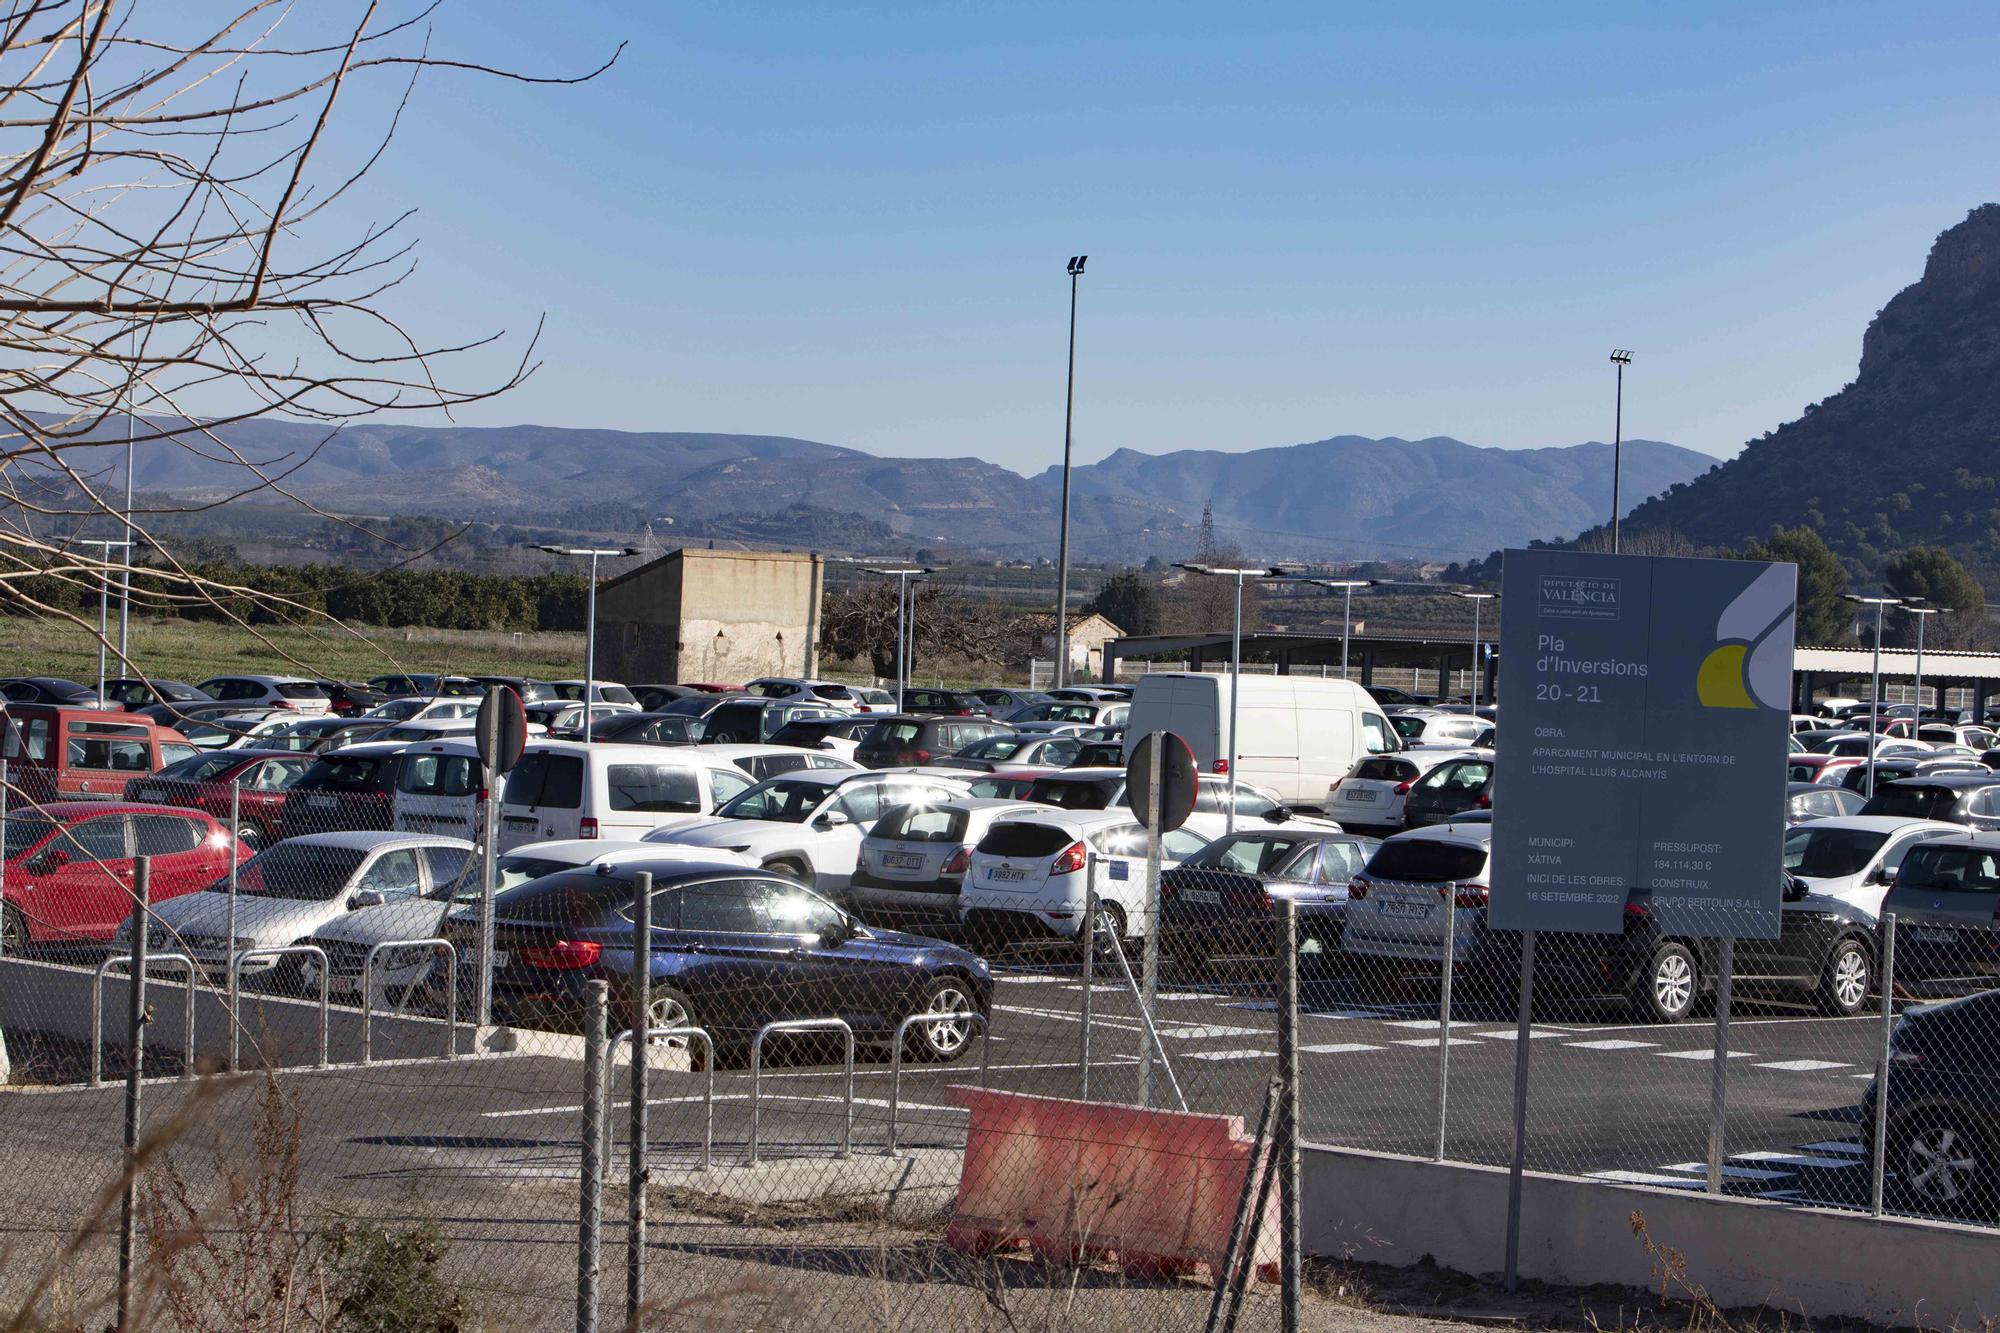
(569, 789)
(437, 790)
(1296, 733)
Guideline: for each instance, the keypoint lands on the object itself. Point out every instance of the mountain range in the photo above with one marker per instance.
(1908, 453)
(1435, 498)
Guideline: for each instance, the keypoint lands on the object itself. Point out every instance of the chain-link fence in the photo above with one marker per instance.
(864, 1108)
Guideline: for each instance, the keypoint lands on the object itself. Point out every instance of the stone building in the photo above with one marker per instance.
(712, 616)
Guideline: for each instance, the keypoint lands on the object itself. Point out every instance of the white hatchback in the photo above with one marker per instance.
(1372, 795)
(1029, 876)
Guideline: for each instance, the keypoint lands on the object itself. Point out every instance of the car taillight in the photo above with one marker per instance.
(1484, 802)
(1637, 911)
(1467, 895)
(285, 703)
(1357, 889)
(1070, 861)
(586, 827)
(1219, 766)
(1334, 786)
(920, 756)
(960, 859)
(1403, 788)
(562, 956)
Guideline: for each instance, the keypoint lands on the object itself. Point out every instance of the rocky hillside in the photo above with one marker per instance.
(1908, 453)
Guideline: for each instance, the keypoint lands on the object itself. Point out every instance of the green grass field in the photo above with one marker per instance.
(183, 650)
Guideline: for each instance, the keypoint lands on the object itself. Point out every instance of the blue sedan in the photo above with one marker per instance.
(732, 950)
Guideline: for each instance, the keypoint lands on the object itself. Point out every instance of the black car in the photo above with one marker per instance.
(751, 720)
(1944, 1108)
(348, 789)
(900, 740)
(648, 729)
(1099, 754)
(732, 950)
(945, 703)
(132, 694)
(1972, 799)
(1818, 800)
(53, 690)
(654, 697)
(1452, 788)
(1001, 700)
(530, 689)
(1946, 900)
(1223, 901)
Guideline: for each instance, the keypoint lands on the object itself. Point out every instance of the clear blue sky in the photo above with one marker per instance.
(849, 222)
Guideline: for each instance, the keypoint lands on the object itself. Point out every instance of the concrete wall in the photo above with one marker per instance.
(1396, 1210)
(719, 616)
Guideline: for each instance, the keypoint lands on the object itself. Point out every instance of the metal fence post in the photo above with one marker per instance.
(1149, 955)
(1445, 975)
(641, 1053)
(135, 1073)
(1290, 1267)
(229, 927)
(1725, 978)
(1877, 1162)
(590, 1201)
(3, 882)
(1089, 968)
(489, 843)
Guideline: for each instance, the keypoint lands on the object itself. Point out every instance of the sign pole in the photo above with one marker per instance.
(1522, 1045)
(1725, 976)
(1149, 965)
(489, 841)
(501, 732)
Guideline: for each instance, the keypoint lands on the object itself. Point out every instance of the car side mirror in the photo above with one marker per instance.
(830, 820)
(836, 933)
(53, 859)
(1881, 875)
(1279, 814)
(1795, 889)
(365, 898)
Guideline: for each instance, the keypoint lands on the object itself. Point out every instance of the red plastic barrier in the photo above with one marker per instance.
(1155, 1189)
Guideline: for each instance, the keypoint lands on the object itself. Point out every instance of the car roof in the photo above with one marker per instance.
(367, 749)
(1876, 823)
(1085, 820)
(66, 812)
(369, 839)
(585, 851)
(1983, 838)
(1480, 838)
(1954, 780)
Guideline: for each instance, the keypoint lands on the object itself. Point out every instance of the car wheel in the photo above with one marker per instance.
(13, 933)
(951, 1035)
(252, 837)
(785, 866)
(1942, 1164)
(1109, 930)
(1843, 987)
(1666, 991)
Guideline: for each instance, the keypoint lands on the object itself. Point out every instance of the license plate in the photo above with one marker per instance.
(154, 797)
(902, 860)
(1935, 936)
(519, 821)
(319, 803)
(1206, 897)
(500, 957)
(1006, 874)
(1407, 911)
(1359, 795)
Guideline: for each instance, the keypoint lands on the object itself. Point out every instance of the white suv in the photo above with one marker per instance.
(1028, 877)
(307, 698)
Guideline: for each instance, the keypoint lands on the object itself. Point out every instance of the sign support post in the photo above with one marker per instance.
(501, 733)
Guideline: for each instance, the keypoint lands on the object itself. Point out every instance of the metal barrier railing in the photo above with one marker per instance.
(438, 946)
(757, 1074)
(97, 1009)
(896, 1058)
(708, 1097)
(242, 956)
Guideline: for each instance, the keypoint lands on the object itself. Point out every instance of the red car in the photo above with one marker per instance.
(203, 782)
(70, 865)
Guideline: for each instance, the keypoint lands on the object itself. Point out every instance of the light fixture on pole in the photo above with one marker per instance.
(1620, 358)
(1910, 608)
(1061, 674)
(1346, 588)
(595, 553)
(1881, 605)
(902, 577)
(1235, 665)
(105, 597)
(1475, 598)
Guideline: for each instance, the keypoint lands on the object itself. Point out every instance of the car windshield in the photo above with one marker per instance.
(200, 767)
(25, 833)
(351, 772)
(1831, 853)
(307, 871)
(1427, 861)
(788, 800)
(1252, 854)
(1407, 726)
(893, 733)
(1951, 869)
(996, 747)
(513, 870)
(1914, 800)
(1073, 794)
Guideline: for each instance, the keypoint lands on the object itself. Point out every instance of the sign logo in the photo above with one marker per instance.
(1751, 664)
(1578, 597)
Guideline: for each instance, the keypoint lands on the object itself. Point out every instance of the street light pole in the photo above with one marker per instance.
(1061, 674)
(1920, 612)
(1235, 667)
(590, 618)
(1475, 598)
(903, 655)
(103, 601)
(1881, 605)
(1620, 358)
(1346, 587)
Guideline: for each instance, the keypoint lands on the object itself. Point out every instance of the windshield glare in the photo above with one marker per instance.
(304, 871)
(1251, 854)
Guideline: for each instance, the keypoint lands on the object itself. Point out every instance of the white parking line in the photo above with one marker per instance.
(1428, 1024)
(1853, 1146)
(1227, 1055)
(1706, 1053)
(1647, 1178)
(1202, 1031)
(1338, 1048)
(1733, 1172)
(1433, 1041)
(1514, 1034)
(1802, 1066)
(1611, 1044)
(1796, 1159)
